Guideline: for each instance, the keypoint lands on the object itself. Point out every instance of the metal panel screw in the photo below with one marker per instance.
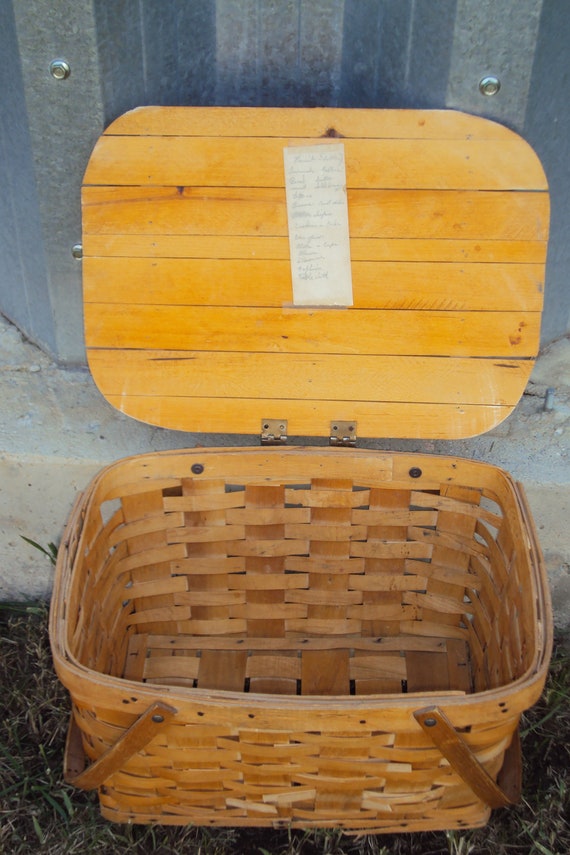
(59, 69)
(430, 722)
(197, 468)
(415, 472)
(77, 251)
(158, 718)
(489, 85)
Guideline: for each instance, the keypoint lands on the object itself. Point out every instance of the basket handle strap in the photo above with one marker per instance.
(132, 740)
(462, 760)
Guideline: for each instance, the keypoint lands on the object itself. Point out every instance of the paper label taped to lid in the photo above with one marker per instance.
(317, 213)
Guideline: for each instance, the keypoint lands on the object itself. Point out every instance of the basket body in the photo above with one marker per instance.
(265, 637)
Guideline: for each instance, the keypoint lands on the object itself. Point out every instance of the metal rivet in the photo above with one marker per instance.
(415, 472)
(77, 251)
(489, 85)
(158, 719)
(197, 468)
(430, 722)
(59, 69)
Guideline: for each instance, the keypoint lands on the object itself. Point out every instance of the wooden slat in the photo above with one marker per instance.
(426, 672)
(324, 498)
(208, 565)
(310, 377)
(458, 665)
(454, 545)
(393, 517)
(267, 516)
(267, 612)
(136, 657)
(174, 161)
(267, 282)
(316, 597)
(272, 665)
(292, 645)
(388, 582)
(211, 616)
(171, 668)
(314, 122)
(376, 666)
(252, 581)
(310, 418)
(261, 212)
(324, 564)
(325, 672)
(172, 333)
(329, 599)
(222, 670)
(213, 248)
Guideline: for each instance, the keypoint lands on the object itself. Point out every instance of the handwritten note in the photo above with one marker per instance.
(317, 211)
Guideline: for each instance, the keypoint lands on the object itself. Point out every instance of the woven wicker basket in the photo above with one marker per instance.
(300, 637)
(306, 637)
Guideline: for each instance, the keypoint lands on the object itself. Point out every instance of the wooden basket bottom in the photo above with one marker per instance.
(302, 666)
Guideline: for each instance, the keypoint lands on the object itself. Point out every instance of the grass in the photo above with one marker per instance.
(40, 813)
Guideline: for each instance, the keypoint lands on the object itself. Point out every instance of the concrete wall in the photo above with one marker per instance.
(365, 53)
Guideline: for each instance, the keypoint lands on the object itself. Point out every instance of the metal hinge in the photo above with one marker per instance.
(274, 432)
(343, 433)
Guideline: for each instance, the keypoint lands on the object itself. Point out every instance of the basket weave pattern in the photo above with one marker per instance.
(295, 625)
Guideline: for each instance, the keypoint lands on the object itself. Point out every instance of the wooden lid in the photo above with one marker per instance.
(189, 320)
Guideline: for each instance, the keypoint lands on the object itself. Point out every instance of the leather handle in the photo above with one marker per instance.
(462, 760)
(132, 740)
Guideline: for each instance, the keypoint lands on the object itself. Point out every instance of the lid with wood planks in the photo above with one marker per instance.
(191, 257)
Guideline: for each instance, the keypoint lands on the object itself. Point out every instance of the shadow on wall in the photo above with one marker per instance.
(324, 53)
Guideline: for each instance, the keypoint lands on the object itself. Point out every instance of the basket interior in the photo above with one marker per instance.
(331, 587)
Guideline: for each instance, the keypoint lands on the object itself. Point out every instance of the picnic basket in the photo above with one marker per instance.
(303, 636)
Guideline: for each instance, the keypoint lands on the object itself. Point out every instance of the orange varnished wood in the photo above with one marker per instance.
(259, 212)
(211, 248)
(205, 331)
(292, 122)
(224, 161)
(200, 282)
(187, 280)
(310, 417)
(453, 380)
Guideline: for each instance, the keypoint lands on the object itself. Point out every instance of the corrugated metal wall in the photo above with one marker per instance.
(354, 53)
(361, 53)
